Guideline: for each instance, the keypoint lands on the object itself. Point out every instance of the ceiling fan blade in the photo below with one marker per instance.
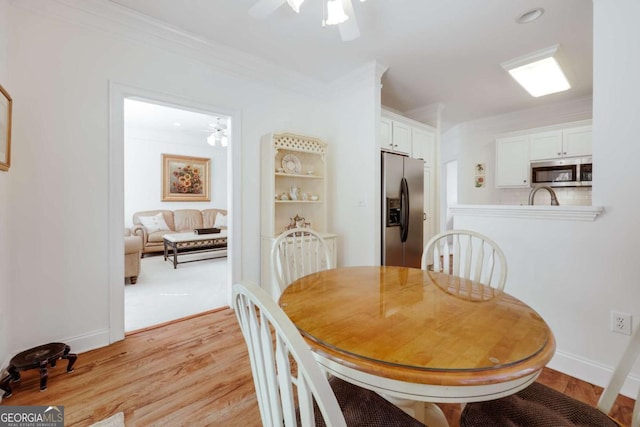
(349, 29)
(264, 8)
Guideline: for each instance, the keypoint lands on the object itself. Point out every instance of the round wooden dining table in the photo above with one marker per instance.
(417, 336)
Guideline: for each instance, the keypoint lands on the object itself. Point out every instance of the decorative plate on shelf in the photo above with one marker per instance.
(291, 164)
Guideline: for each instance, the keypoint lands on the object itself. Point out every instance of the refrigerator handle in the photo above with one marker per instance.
(404, 210)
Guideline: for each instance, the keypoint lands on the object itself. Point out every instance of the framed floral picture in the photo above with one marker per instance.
(185, 179)
(5, 129)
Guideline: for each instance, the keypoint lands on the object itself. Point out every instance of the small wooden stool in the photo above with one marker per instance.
(34, 358)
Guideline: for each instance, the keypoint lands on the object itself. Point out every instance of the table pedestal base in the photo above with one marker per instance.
(428, 413)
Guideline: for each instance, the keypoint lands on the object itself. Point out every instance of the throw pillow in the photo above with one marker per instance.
(221, 220)
(154, 223)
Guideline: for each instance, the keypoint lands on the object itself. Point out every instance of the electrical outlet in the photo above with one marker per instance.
(620, 322)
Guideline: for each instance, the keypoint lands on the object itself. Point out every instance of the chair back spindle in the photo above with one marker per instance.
(273, 343)
(298, 252)
(468, 255)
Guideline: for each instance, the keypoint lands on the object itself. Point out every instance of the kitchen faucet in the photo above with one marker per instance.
(534, 190)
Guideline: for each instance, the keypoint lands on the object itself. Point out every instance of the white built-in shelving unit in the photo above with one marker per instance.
(291, 162)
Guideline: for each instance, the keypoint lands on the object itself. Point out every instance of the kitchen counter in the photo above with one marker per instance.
(569, 213)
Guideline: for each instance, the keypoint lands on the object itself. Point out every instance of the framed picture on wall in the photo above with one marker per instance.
(185, 179)
(5, 129)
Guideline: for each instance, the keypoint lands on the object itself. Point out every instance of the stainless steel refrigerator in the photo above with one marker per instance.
(402, 210)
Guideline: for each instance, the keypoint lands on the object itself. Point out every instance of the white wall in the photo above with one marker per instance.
(5, 179)
(355, 166)
(59, 213)
(474, 142)
(575, 273)
(143, 170)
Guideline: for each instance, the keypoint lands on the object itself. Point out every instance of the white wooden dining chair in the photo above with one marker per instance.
(298, 252)
(291, 388)
(466, 254)
(539, 405)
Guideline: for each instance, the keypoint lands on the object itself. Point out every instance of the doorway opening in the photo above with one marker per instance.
(451, 192)
(196, 142)
(118, 93)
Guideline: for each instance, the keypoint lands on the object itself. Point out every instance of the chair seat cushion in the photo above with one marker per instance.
(364, 408)
(535, 406)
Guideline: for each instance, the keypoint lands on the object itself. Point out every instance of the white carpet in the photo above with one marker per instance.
(163, 294)
(116, 420)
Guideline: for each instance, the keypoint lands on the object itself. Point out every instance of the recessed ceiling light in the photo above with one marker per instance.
(177, 124)
(530, 16)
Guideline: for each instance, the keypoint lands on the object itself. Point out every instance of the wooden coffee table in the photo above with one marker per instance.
(34, 358)
(190, 243)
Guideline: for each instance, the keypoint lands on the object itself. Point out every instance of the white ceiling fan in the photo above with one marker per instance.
(218, 132)
(336, 12)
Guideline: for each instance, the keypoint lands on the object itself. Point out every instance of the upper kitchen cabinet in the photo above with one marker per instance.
(578, 141)
(512, 161)
(569, 142)
(405, 136)
(516, 150)
(422, 145)
(395, 136)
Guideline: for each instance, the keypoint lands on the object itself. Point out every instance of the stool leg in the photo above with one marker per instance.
(44, 374)
(15, 374)
(4, 386)
(71, 357)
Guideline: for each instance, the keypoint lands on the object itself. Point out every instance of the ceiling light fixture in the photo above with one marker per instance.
(295, 5)
(530, 15)
(219, 134)
(338, 13)
(538, 72)
(335, 13)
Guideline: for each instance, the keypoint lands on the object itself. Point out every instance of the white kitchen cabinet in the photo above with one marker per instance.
(293, 184)
(546, 145)
(512, 162)
(422, 145)
(578, 141)
(386, 142)
(395, 136)
(570, 142)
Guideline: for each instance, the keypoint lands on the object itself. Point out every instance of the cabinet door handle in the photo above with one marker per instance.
(565, 153)
(559, 154)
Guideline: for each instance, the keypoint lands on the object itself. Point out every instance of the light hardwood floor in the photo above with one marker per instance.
(193, 372)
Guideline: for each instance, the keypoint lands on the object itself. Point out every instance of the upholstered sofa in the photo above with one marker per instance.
(132, 252)
(152, 225)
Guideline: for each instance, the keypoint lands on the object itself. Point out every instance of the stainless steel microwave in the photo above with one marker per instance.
(571, 172)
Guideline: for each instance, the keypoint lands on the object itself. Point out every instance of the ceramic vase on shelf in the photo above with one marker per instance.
(294, 193)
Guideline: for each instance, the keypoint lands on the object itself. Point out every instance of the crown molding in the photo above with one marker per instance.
(366, 76)
(115, 20)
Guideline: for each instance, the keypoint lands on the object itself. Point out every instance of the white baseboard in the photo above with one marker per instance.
(591, 372)
(88, 341)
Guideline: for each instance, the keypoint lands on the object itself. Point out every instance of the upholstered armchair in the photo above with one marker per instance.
(132, 253)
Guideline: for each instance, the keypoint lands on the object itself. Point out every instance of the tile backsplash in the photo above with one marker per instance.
(569, 196)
